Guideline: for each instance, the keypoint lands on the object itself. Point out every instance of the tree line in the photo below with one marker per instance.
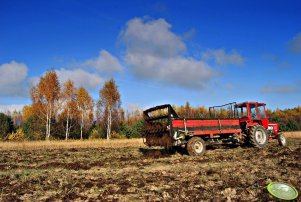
(63, 111)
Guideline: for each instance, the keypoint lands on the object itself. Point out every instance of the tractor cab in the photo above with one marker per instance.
(251, 113)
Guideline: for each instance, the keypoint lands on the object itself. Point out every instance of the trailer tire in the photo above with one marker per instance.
(196, 146)
(258, 136)
(281, 139)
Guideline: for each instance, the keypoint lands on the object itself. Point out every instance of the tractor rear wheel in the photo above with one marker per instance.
(281, 139)
(258, 136)
(196, 146)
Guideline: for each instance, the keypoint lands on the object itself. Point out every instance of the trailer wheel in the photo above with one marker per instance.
(281, 139)
(196, 146)
(258, 136)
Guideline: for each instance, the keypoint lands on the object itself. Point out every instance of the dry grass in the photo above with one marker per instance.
(118, 143)
(293, 134)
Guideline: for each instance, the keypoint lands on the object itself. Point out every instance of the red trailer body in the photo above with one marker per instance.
(209, 127)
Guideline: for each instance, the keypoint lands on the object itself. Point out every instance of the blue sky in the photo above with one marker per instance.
(205, 52)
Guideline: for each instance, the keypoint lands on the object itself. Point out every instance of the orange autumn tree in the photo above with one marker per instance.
(45, 96)
(109, 104)
(69, 105)
(85, 106)
(27, 112)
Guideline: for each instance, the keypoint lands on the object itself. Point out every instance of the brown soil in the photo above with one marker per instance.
(143, 174)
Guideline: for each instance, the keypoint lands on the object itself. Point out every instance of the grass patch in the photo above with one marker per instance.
(31, 145)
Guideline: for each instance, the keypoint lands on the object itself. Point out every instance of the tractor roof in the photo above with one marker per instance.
(245, 103)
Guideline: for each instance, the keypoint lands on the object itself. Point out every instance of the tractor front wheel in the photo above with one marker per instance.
(281, 139)
(196, 146)
(258, 136)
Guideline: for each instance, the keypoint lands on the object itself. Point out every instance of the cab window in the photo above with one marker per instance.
(253, 111)
(261, 112)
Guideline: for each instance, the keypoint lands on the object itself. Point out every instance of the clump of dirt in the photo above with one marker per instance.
(156, 153)
(291, 158)
(70, 166)
(158, 140)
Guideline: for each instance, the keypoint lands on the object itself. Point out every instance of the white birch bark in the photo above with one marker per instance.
(67, 125)
(49, 122)
(109, 123)
(47, 117)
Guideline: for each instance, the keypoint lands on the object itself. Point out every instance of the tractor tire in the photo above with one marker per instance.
(258, 136)
(281, 139)
(196, 146)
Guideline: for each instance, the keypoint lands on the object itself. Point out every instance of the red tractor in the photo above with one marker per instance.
(244, 123)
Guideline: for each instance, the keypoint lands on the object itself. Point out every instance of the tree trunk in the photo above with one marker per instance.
(47, 117)
(109, 122)
(69, 129)
(67, 125)
(81, 126)
(49, 123)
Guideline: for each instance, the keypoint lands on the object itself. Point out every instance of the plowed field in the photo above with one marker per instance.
(136, 173)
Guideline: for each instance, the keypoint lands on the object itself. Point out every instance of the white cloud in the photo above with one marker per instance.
(185, 72)
(151, 37)
(34, 80)
(223, 58)
(189, 34)
(295, 44)
(12, 79)
(11, 108)
(155, 52)
(89, 74)
(80, 77)
(282, 89)
(105, 62)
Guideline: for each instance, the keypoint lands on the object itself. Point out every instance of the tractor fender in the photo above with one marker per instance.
(250, 124)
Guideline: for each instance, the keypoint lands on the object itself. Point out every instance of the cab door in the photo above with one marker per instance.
(257, 114)
(262, 116)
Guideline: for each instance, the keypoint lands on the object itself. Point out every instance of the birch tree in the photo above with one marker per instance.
(45, 97)
(85, 106)
(109, 102)
(69, 101)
